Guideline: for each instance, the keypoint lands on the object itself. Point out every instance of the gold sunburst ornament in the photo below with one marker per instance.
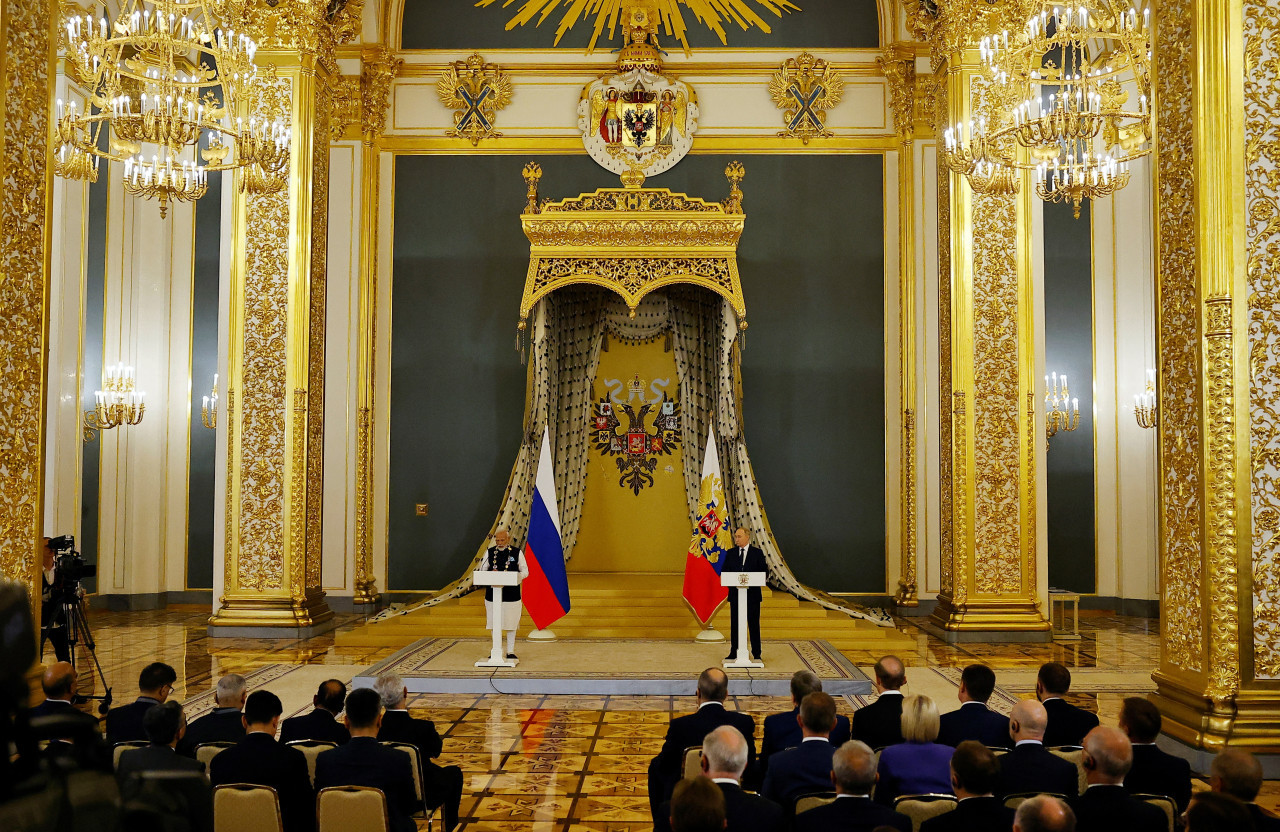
(611, 13)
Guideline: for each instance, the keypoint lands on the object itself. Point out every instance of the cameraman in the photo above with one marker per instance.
(53, 597)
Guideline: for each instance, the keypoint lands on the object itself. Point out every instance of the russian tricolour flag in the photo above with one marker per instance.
(546, 590)
(711, 540)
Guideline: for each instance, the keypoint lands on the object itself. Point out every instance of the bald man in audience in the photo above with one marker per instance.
(879, 723)
(59, 685)
(321, 723)
(224, 723)
(1106, 805)
(1029, 767)
(1044, 813)
(1238, 773)
(724, 758)
(1154, 771)
(853, 772)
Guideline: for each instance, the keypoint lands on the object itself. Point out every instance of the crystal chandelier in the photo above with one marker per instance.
(164, 82)
(118, 403)
(1074, 89)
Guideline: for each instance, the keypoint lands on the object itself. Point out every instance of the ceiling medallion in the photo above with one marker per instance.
(638, 119)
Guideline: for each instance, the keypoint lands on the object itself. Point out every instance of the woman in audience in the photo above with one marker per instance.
(919, 764)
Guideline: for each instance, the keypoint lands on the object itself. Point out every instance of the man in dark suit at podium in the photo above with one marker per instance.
(744, 557)
(686, 731)
(880, 723)
(973, 720)
(1068, 724)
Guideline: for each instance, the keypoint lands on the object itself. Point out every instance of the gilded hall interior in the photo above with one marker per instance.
(352, 331)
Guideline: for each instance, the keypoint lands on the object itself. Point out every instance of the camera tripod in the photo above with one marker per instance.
(77, 625)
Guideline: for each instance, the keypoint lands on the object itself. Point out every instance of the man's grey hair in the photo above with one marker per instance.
(726, 750)
(1044, 813)
(390, 689)
(854, 765)
(230, 690)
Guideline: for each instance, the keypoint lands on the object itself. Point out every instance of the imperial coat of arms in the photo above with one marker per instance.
(475, 91)
(638, 118)
(637, 448)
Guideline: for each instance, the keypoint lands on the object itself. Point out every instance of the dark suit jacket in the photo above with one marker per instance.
(743, 811)
(975, 721)
(850, 814)
(66, 712)
(1067, 723)
(689, 730)
(154, 758)
(317, 725)
(800, 770)
(398, 726)
(1155, 772)
(783, 731)
(1112, 809)
(733, 562)
(974, 814)
(1031, 768)
(219, 725)
(880, 723)
(1263, 821)
(124, 724)
(366, 762)
(260, 760)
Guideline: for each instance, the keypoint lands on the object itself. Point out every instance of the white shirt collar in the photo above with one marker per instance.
(1104, 786)
(1028, 742)
(1047, 698)
(891, 693)
(725, 780)
(816, 739)
(863, 796)
(974, 797)
(712, 702)
(59, 701)
(974, 702)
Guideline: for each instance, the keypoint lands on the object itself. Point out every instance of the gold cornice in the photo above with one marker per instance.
(594, 69)
(572, 145)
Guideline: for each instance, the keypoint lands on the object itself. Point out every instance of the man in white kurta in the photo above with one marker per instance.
(503, 556)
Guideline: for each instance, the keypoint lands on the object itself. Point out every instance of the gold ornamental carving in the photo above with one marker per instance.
(310, 500)
(378, 69)
(632, 241)
(345, 107)
(804, 88)
(475, 90)
(901, 76)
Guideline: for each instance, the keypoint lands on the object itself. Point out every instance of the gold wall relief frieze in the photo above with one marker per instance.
(298, 508)
(908, 588)
(365, 585)
(960, 517)
(572, 146)
(1031, 436)
(316, 316)
(946, 438)
(346, 111)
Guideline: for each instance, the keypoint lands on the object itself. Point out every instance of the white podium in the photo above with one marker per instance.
(742, 581)
(490, 578)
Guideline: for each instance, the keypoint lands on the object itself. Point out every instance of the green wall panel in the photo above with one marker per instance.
(813, 371)
(204, 363)
(458, 24)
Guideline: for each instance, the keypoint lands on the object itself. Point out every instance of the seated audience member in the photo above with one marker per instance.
(724, 758)
(1067, 723)
(1238, 773)
(258, 759)
(224, 723)
(1217, 812)
(59, 685)
(155, 683)
(1106, 805)
(441, 785)
(805, 768)
(919, 764)
(697, 806)
(1154, 771)
(1029, 767)
(165, 725)
(973, 720)
(366, 762)
(783, 730)
(974, 776)
(1044, 813)
(666, 769)
(853, 771)
(878, 724)
(322, 723)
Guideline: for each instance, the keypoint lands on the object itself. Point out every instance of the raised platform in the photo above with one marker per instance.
(633, 606)
(598, 667)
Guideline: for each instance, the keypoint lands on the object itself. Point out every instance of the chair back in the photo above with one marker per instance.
(312, 749)
(206, 751)
(1166, 804)
(997, 751)
(1073, 754)
(692, 761)
(1013, 801)
(121, 747)
(921, 807)
(166, 801)
(245, 807)
(351, 809)
(416, 764)
(805, 802)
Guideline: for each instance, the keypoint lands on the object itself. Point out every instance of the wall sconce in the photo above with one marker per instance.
(209, 410)
(1145, 407)
(1061, 411)
(118, 403)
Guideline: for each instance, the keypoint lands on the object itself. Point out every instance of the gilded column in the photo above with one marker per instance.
(378, 69)
(899, 68)
(275, 395)
(989, 432)
(1217, 144)
(27, 51)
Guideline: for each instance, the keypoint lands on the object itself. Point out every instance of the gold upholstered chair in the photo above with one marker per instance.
(244, 807)
(351, 809)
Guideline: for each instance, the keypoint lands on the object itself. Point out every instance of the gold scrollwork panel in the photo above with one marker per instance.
(633, 277)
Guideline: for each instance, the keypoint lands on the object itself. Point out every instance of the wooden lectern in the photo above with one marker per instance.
(487, 577)
(742, 581)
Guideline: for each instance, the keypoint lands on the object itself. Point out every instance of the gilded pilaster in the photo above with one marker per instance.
(987, 431)
(378, 70)
(26, 100)
(275, 436)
